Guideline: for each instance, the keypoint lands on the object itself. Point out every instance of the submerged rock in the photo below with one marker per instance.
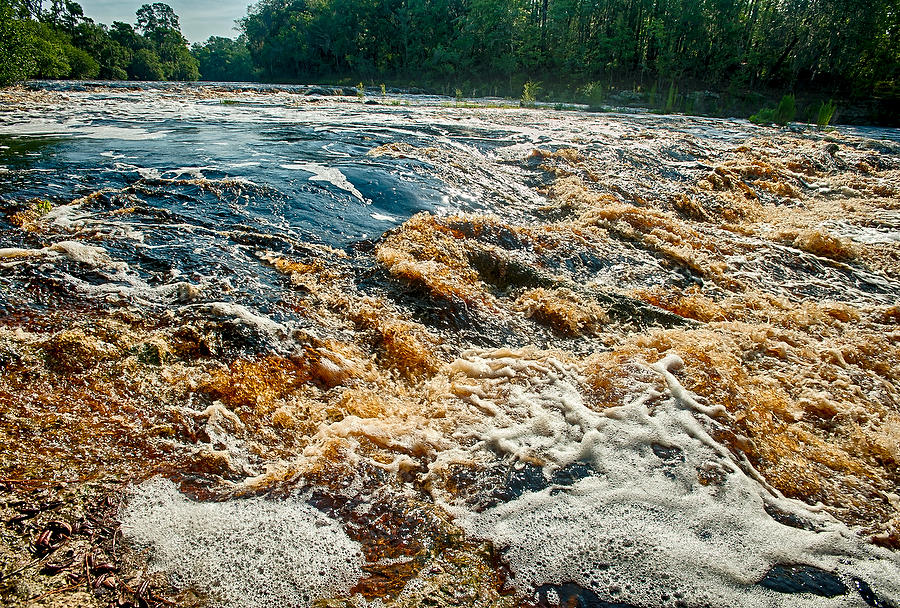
(803, 579)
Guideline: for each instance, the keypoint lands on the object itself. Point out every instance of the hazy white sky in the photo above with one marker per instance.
(199, 19)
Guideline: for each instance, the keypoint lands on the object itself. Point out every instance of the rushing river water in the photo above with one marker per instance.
(341, 351)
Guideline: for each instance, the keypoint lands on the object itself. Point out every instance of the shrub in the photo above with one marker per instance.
(825, 113)
(593, 92)
(786, 110)
(51, 60)
(765, 116)
(114, 73)
(671, 98)
(529, 93)
(781, 115)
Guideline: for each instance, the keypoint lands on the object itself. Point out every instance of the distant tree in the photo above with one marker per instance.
(124, 34)
(146, 66)
(65, 15)
(162, 35)
(60, 42)
(48, 52)
(156, 18)
(26, 9)
(223, 59)
(183, 67)
(81, 65)
(16, 47)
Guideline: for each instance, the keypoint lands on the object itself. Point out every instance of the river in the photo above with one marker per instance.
(264, 345)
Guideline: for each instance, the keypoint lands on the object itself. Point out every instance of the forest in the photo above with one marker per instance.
(60, 42)
(565, 49)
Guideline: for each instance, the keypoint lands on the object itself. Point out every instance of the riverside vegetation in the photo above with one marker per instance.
(719, 57)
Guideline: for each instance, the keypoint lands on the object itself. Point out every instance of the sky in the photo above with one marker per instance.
(199, 19)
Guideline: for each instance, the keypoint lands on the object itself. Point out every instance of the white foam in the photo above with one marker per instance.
(71, 128)
(151, 173)
(327, 174)
(66, 217)
(253, 553)
(642, 530)
(246, 316)
(86, 254)
(887, 233)
(18, 252)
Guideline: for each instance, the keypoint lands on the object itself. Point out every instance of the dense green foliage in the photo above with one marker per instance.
(224, 60)
(60, 42)
(825, 113)
(844, 46)
(665, 51)
(781, 115)
(16, 53)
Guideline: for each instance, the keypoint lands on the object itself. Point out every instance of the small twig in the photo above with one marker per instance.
(33, 562)
(49, 593)
(158, 598)
(115, 533)
(43, 481)
(87, 572)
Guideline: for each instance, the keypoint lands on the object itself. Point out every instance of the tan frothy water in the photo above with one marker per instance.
(650, 361)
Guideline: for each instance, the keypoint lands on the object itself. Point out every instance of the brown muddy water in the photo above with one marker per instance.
(262, 348)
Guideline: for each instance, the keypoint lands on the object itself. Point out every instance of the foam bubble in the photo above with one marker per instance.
(647, 526)
(79, 252)
(248, 317)
(250, 553)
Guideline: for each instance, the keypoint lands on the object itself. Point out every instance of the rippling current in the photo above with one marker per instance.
(322, 349)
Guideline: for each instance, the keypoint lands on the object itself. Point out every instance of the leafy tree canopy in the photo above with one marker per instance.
(56, 40)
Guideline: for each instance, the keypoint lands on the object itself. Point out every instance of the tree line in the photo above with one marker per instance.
(846, 48)
(58, 41)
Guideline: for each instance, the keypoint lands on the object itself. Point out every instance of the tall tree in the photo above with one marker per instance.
(154, 19)
(16, 47)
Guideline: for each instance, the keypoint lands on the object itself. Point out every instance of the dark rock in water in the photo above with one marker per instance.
(529, 478)
(790, 519)
(503, 483)
(668, 454)
(491, 233)
(9, 354)
(803, 579)
(504, 272)
(869, 596)
(569, 474)
(631, 310)
(572, 595)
